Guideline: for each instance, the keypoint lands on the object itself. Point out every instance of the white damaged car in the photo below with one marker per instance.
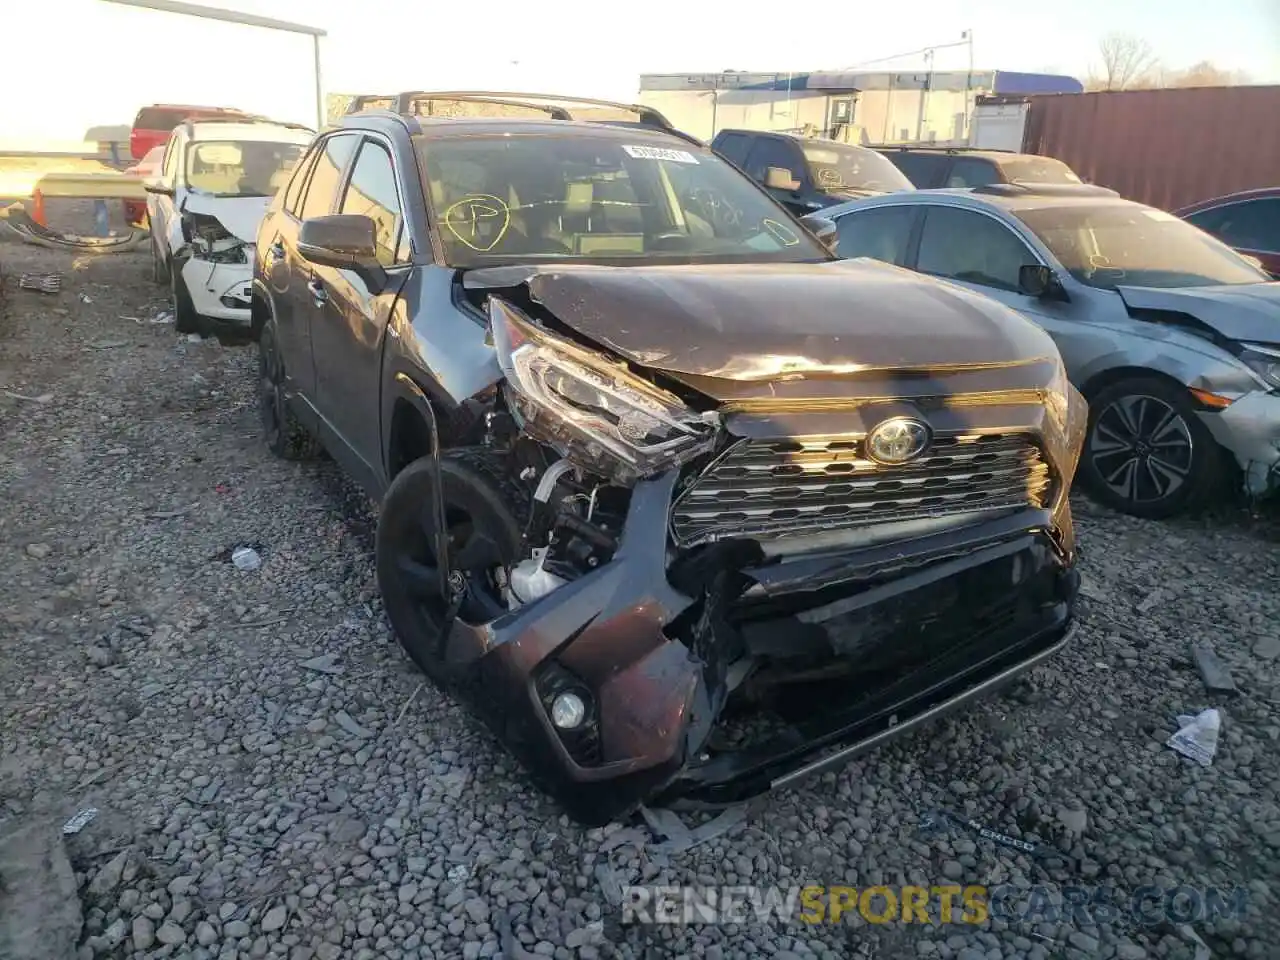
(215, 182)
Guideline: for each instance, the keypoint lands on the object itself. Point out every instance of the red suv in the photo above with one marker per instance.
(153, 124)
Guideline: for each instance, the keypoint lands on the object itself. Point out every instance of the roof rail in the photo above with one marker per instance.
(556, 106)
(904, 147)
(1025, 189)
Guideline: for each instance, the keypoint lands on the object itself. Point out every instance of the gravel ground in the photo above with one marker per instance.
(257, 802)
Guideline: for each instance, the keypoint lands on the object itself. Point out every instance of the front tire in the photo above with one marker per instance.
(1147, 452)
(185, 318)
(284, 434)
(484, 535)
(159, 267)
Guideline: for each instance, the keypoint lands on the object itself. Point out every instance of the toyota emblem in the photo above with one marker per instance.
(898, 440)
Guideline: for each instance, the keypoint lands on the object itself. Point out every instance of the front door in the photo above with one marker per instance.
(349, 320)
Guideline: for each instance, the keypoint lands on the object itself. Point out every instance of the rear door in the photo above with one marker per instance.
(290, 278)
(349, 326)
(881, 233)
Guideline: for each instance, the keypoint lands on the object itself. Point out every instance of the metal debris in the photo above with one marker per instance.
(323, 664)
(610, 885)
(79, 821)
(343, 719)
(458, 873)
(680, 838)
(1214, 673)
(635, 836)
(41, 282)
(43, 398)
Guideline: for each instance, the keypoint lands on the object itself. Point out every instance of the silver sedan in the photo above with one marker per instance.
(1173, 337)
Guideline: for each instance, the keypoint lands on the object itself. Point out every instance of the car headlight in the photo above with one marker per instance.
(592, 410)
(1068, 415)
(1264, 360)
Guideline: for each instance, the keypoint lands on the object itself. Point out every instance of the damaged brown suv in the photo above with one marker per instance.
(683, 505)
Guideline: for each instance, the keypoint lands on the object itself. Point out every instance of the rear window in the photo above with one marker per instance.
(155, 118)
(924, 170)
(1037, 170)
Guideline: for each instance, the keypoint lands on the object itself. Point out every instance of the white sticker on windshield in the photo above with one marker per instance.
(659, 153)
(1159, 215)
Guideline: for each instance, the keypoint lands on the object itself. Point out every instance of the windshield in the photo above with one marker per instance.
(836, 167)
(1038, 170)
(1112, 245)
(520, 197)
(240, 168)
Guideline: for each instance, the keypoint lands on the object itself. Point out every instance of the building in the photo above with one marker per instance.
(878, 107)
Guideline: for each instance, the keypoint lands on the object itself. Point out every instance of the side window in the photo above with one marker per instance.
(1250, 225)
(171, 154)
(733, 147)
(293, 193)
(371, 192)
(772, 152)
(881, 233)
(922, 169)
(963, 245)
(327, 175)
(972, 172)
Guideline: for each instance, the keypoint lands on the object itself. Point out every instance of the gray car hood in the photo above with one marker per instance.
(1247, 312)
(766, 321)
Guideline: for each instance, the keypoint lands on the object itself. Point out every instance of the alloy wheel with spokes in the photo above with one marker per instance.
(283, 433)
(1142, 448)
(1147, 452)
(483, 539)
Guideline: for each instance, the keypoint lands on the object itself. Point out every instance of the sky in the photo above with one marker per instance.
(567, 46)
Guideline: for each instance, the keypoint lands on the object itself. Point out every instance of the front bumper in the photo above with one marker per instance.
(220, 291)
(1250, 430)
(972, 607)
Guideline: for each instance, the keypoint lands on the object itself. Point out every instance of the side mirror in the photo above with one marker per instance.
(1037, 280)
(826, 231)
(780, 178)
(158, 187)
(346, 241)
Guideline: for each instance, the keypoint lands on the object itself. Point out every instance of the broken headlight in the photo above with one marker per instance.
(1068, 420)
(591, 410)
(1264, 360)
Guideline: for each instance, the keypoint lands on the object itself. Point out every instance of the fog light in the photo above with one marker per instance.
(568, 711)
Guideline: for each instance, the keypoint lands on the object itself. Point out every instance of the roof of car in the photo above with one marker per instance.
(252, 130)
(995, 156)
(1010, 197)
(1259, 193)
(455, 127)
(822, 141)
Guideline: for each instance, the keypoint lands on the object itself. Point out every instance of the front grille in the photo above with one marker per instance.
(772, 488)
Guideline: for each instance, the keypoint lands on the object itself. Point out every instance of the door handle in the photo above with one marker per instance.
(318, 293)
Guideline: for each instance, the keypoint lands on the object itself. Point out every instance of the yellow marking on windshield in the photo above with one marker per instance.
(475, 214)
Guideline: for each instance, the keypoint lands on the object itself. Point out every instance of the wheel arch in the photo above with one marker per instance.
(1113, 375)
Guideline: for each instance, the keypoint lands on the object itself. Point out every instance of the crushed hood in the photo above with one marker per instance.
(760, 322)
(240, 215)
(1249, 312)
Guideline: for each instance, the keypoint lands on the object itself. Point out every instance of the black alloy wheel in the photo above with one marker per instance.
(285, 436)
(1148, 453)
(482, 537)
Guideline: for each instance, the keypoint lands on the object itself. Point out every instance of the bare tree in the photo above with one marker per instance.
(1206, 74)
(1126, 62)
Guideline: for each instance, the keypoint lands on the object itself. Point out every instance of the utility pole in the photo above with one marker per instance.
(968, 87)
